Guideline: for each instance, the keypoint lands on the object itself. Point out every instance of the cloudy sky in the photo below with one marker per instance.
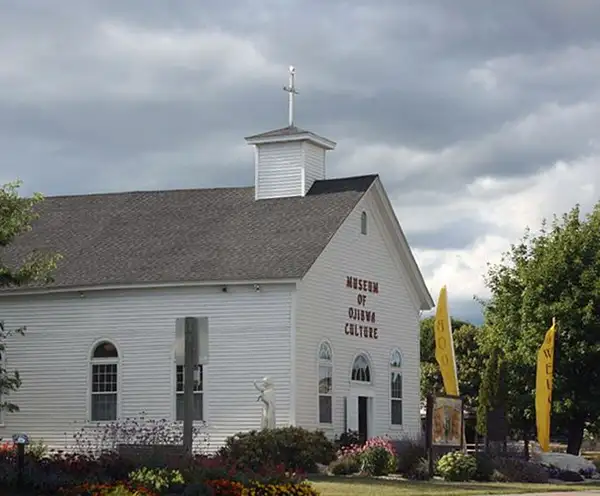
(481, 116)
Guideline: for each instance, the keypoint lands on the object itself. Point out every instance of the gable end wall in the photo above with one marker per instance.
(323, 303)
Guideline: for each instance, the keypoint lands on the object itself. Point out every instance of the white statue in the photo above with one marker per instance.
(267, 396)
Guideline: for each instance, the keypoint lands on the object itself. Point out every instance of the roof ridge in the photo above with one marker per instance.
(186, 190)
(346, 178)
(146, 191)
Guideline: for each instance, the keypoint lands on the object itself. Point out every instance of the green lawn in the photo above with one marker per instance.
(340, 486)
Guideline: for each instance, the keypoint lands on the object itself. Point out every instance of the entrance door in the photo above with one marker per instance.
(363, 421)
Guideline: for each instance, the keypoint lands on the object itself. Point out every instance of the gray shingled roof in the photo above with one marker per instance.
(284, 131)
(291, 132)
(188, 235)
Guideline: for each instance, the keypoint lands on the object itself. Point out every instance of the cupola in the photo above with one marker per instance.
(288, 160)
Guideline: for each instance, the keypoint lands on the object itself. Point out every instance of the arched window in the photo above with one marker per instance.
(105, 364)
(325, 384)
(361, 370)
(363, 223)
(396, 387)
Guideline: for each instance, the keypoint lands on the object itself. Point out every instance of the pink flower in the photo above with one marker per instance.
(356, 449)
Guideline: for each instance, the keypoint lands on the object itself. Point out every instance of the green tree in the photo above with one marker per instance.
(16, 217)
(468, 360)
(554, 273)
(492, 394)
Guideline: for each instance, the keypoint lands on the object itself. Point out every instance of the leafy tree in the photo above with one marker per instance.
(468, 359)
(16, 217)
(555, 273)
(492, 392)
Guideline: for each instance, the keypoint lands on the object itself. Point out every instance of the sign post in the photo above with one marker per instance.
(21, 440)
(189, 366)
(445, 425)
(429, 432)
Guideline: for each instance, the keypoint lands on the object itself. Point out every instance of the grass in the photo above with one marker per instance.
(341, 486)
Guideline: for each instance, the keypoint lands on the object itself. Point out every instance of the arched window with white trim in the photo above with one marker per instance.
(325, 384)
(396, 388)
(104, 382)
(363, 223)
(361, 369)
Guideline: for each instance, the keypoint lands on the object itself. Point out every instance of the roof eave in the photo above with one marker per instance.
(425, 299)
(325, 143)
(21, 291)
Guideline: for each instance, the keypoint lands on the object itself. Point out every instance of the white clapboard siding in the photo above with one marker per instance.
(279, 170)
(249, 337)
(323, 302)
(314, 164)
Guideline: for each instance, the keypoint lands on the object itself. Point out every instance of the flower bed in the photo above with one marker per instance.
(99, 470)
(73, 475)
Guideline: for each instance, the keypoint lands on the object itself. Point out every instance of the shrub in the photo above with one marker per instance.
(457, 466)
(376, 460)
(120, 489)
(498, 477)
(157, 479)
(48, 475)
(419, 470)
(199, 490)
(37, 450)
(484, 467)
(348, 438)
(345, 465)
(294, 447)
(409, 454)
(569, 476)
(517, 470)
(107, 436)
(226, 487)
(297, 489)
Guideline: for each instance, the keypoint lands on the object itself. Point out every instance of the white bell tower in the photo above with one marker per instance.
(288, 160)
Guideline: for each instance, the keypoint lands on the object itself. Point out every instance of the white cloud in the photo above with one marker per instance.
(553, 191)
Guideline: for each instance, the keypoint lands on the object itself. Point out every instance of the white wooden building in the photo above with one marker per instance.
(307, 280)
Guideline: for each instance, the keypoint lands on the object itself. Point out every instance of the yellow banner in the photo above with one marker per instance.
(444, 345)
(543, 388)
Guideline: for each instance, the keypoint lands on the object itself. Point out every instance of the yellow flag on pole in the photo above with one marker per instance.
(543, 388)
(444, 345)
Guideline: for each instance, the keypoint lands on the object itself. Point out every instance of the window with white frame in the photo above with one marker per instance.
(105, 383)
(396, 388)
(361, 370)
(198, 393)
(363, 223)
(325, 384)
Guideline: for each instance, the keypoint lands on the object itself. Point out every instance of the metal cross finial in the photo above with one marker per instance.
(291, 89)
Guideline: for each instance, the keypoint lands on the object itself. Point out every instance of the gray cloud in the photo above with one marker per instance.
(432, 94)
(457, 234)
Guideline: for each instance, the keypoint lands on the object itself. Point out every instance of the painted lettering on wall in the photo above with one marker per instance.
(362, 320)
(362, 285)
